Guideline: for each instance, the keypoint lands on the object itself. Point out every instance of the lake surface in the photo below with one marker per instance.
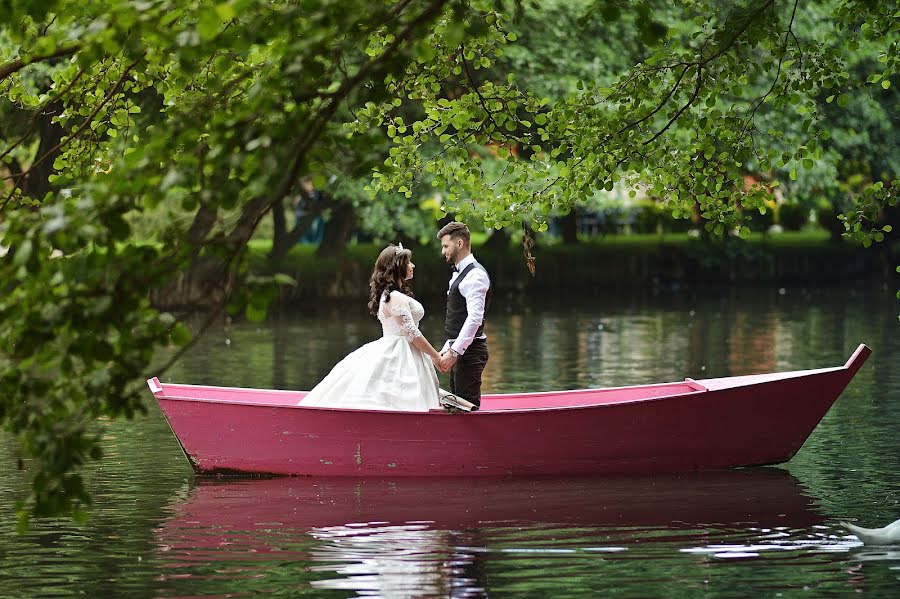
(156, 531)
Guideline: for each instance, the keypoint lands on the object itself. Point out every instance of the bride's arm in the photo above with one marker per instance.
(399, 309)
(422, 344)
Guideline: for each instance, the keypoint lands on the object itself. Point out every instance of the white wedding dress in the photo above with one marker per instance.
(386, 374)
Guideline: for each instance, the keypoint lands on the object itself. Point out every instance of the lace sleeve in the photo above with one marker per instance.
(400, 312)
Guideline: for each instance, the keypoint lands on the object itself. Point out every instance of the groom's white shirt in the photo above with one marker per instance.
(474, 289)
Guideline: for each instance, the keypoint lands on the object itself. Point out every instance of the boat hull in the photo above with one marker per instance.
(697, 425)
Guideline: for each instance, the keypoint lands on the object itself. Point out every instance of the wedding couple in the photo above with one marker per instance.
(398, 371)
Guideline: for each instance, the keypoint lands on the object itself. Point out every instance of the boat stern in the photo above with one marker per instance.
(858, 358)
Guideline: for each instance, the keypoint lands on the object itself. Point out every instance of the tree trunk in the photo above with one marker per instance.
(290, 239)
(37, 182)
(202, 286)
(204, 222)
(569, 228)
(499, 240)
(408, 241)
(280, 242)
(337, 230)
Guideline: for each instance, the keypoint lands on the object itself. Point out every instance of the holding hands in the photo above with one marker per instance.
(448, 359)
(438, 360)
(445, 361)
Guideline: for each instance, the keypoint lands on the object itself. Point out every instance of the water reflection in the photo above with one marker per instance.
(440, 537)
(406, 560)
(762, 496)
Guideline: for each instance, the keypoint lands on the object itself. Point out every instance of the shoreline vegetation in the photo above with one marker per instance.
(621, 261)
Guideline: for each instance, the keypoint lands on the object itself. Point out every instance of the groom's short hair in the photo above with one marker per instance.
(456, 230)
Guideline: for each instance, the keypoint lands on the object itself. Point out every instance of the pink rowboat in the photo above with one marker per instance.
(669, 427)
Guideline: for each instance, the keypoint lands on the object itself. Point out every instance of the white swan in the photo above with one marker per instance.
(889, 535)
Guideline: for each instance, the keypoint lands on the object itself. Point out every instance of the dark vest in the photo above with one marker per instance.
(456, 306)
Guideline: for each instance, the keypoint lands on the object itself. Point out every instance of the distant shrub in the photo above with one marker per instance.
(793, 215)
(762, 222)
(645, 217)
(670, 224)
(601, 220)
(827, 218)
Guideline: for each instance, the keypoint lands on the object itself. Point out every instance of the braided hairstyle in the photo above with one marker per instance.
(389, 275)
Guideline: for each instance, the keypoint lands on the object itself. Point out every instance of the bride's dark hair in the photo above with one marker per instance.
(389, 275)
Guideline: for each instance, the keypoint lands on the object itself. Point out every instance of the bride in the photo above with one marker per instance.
(396, 372)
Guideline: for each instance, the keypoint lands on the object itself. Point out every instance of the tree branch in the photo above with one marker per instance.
(86, 122)
(683, 108)
(759, 101)
(40, 108)
(462, 54)
(734, 38)
(20, 63)
(662, 103)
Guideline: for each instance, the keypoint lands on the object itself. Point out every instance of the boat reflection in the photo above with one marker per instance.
(764, 496)
(426, 537)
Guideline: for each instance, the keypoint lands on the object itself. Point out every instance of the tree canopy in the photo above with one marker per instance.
(112, 109)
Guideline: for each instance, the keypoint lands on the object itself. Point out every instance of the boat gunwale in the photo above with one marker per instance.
(693, 392)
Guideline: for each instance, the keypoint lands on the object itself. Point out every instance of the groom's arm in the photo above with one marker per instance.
(474, 289)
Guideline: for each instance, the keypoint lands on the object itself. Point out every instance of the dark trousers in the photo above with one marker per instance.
(465, 376)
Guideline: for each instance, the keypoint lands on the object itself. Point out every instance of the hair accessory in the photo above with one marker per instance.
(399, 248)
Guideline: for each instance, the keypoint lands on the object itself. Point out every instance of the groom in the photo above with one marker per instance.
(465, 352)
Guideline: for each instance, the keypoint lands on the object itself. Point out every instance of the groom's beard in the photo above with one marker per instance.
(451, 257)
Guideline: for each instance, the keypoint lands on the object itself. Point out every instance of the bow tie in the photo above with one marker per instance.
(455, 269)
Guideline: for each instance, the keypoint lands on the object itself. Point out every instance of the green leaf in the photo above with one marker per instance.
(454, 34)
(180, 335)
(208, 24)
(23, 253)
(255, 313)
(225, 11)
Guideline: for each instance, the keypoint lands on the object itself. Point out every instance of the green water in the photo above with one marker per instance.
(155, 531)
